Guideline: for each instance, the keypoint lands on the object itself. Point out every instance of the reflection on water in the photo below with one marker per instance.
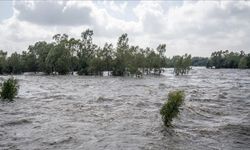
(77, 112)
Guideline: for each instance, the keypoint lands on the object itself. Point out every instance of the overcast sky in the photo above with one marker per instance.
(195, 27)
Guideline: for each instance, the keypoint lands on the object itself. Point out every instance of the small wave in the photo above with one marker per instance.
(61, 141)
(102, 99)
(223, 95)
(54, 97)
(16, 122)
(198, 112)
(158, 104)
(238, 134)
(141, 85)
(201, 99)
(237, 128)
(162, 86)
(212, 111)
(141, 104)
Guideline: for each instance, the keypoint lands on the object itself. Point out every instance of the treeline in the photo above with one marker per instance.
(199, 61)
(67, 55)
(226, 59)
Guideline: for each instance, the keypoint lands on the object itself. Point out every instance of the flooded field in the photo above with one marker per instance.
(79, 112)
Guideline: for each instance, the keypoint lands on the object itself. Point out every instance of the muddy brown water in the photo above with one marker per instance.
(79, 112)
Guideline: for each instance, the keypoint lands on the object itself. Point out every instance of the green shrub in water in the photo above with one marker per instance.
(182, 64)
(9, 89)
(170, 109)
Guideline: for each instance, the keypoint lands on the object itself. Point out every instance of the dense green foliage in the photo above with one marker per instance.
(182, 64)
(9, 89)
(226, 59)
(170, 109)
(65, 55)
(199, 61)
(3, 56)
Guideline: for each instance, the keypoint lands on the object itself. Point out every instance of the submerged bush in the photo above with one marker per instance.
(170, 109)
(9, 89)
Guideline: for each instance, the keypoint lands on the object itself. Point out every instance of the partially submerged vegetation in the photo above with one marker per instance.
(171, 107)
(9, 89)
(66, 55)
(199, 61)
(182, 65)
(226, 59)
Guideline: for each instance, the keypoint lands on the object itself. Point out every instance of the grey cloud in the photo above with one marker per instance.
(218, 21)
(212, 27)
(51, 13)
(231, 10)
(153, 24)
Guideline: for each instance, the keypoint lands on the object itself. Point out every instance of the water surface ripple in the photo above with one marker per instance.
(79, 112)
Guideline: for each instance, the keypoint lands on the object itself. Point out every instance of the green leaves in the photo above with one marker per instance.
(9, 89)
(227, 59)
(66, 54)
(243, 63)
(170, 109)
(14, 64)
(182, 65)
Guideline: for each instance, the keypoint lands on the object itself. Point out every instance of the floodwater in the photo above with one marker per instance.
(79, 112)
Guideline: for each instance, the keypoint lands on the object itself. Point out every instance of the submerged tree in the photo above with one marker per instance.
(119, 65)
(182, 65)
(226, 59)
(86, 52)
(9, 89)
(161, 49)
(3, 56)
(171, 107)
(58, 58)
(199, 61)
(243, 63)
(29, 62)
(41, 50)
(14, 64)
(108, 56)
(65, 55)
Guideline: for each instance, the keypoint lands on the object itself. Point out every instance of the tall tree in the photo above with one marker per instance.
(86, 51)
(119, 66)
(182, 65)
(14, 64)
(41, 49)
(3, 56)
(108, 56)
